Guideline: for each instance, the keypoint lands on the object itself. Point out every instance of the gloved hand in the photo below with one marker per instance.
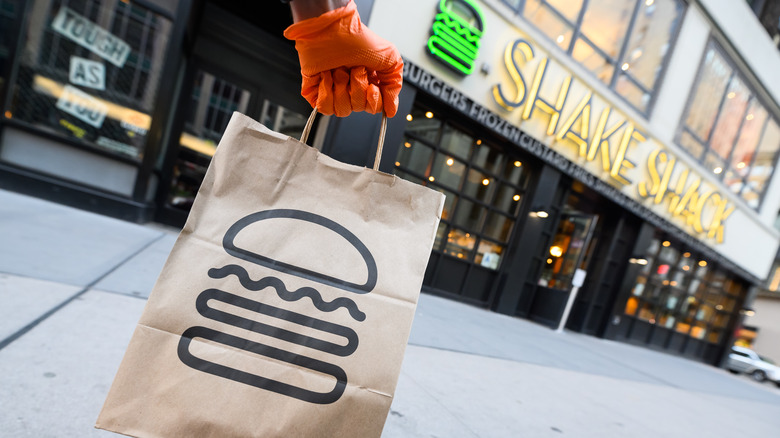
(345, 66)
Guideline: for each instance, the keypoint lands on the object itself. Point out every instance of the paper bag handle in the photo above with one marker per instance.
(380, 144)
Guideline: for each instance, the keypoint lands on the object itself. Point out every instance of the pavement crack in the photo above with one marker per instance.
(22, 331)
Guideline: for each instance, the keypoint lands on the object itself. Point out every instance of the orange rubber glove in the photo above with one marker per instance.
(345, 66)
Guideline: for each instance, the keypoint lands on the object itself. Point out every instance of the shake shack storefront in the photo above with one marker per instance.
(562, 199)
(562, 202)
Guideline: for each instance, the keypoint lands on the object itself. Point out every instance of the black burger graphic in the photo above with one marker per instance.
(264, 316)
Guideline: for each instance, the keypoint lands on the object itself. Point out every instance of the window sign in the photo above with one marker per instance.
(80, 104)
(88, 34)
(455, 34)
(87, 73)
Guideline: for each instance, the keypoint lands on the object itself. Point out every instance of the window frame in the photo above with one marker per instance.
(705, 290)
(682, 128)
(498, 179)
(7, 93)
(577, 34)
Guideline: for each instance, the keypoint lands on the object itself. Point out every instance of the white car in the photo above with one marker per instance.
(747, 361)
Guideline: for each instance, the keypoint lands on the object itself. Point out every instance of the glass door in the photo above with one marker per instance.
(570, 249)
(212, 100)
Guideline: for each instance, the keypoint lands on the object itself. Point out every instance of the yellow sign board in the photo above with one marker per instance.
(587, 129)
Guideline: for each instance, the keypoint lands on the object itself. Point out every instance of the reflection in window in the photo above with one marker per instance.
(9, 11)
(729, 130)
(108, 100)
(567, 252)
(212, 103)
(678, 291)
(484, 187)
(624, 43)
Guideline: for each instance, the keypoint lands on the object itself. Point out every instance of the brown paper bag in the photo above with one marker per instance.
(285, 306)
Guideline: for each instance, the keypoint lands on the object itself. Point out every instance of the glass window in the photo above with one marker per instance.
(729, 130)
(766, 156)
(459, 243)
(10, 10)
(483, 185)
(624, 43)
(714, 78)
(415, 156)
(426, 128)
(605, 24)
(681, 292)
(447, 171)
(90, 71)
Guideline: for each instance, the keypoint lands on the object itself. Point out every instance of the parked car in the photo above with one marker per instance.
(744, 360)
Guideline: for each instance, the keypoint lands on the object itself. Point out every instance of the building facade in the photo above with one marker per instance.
(608, 163)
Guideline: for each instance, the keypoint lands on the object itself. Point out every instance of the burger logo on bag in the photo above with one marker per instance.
(262, 318)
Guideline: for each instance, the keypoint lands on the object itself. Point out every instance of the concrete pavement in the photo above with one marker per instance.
(73, 285)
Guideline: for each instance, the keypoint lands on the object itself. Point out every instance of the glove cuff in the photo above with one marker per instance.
(310, 27)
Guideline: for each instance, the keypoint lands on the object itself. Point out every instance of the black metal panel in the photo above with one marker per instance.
(712, 353)
(74, 195)
(694, 348)
(659, 337)
(640, 330)
(676, 342)
(431, 269)
(515, 297)
(165, 101)
(548, 306)
(621, 329)
(450, 274)
(479, 283)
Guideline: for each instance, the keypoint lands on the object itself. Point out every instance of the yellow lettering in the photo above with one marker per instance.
(691, 197)
(664, 185)
(621, 162)
(655, 176)
(581, 112)
(536, 102)
(721, 214)
(601, 140)
(513, 68)
(698, 225)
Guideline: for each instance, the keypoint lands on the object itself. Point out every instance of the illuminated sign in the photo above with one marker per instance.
(455, 34)
(609, 141)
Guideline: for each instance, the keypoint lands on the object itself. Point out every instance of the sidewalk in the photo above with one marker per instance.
(73, 285)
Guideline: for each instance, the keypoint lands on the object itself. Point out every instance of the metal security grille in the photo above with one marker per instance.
(90, 70)
(484, 185)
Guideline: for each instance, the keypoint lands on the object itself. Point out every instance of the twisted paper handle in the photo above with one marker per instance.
(379, 146)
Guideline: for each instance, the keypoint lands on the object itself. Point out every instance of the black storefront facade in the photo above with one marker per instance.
(522, 220)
